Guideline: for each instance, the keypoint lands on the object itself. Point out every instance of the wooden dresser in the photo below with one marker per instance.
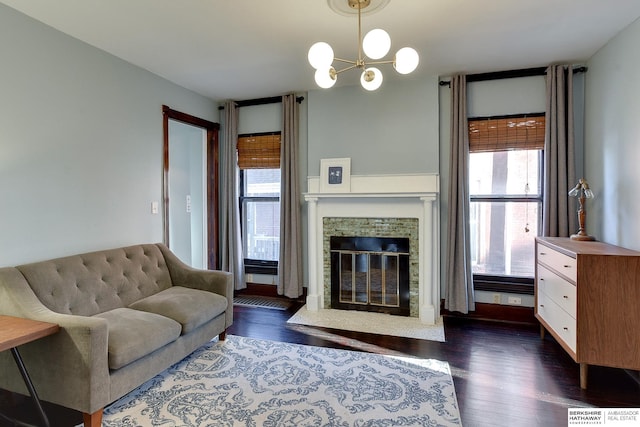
(588, 298)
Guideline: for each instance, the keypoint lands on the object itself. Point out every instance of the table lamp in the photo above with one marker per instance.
(582, 191)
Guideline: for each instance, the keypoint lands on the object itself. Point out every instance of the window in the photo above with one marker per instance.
(505, 188)
(259, 162)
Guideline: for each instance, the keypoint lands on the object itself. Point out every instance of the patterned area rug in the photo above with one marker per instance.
(374, 323)
(250, 382)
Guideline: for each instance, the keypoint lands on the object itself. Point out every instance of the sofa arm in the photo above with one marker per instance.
(219, 282)
(68, 368)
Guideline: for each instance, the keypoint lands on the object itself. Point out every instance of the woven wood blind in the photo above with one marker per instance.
(259, 152)
(507, 133)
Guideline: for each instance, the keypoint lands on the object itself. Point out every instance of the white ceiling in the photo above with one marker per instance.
(242, 49)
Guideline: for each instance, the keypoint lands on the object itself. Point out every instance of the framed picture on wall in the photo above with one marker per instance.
(335, 175)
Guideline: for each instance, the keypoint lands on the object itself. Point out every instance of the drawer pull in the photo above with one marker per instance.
(565, 328)
(566, 266)
(541, 305)
(565, 297)
(543, 253)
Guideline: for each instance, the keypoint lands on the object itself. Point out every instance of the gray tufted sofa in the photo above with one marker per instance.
(125, 315)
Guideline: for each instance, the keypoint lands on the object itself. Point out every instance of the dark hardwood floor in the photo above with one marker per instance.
(504, 374)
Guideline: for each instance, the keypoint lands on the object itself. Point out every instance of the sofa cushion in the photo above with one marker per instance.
(134, 334)
(189, 307)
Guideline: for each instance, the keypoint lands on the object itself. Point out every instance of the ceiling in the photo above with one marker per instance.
(232, 49)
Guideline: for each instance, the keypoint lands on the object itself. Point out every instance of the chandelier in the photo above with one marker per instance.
(374, 46)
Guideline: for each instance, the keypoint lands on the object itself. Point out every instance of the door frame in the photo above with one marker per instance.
(212, 130)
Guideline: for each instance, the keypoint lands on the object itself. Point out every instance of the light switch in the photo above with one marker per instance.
(154, 207)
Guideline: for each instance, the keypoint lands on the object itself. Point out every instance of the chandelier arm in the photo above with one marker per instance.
(347, 69)
(391, 61)
(345, 61)
(360, 57)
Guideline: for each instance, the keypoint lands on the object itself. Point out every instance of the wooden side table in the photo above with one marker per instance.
(15, 331)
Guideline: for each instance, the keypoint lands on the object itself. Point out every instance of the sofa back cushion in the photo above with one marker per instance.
(96, 282)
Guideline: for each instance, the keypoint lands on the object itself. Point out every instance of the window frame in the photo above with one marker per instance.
(252, 265)
(506, 283)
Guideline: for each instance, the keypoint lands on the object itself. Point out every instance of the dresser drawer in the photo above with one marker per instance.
(558, 289)
(557, 261)
(558, 320)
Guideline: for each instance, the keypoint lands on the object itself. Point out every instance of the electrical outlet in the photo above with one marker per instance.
(515, 300)
(497, 299)
(249, 278)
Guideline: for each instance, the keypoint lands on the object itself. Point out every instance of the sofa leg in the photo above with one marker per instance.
(93, 420)
(222, 336)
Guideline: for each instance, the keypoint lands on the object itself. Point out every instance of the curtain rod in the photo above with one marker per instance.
(507, 116)
(499, 75)
(261, 101)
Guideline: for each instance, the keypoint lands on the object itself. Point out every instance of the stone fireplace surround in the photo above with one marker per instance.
(379, 228)
(379, 196)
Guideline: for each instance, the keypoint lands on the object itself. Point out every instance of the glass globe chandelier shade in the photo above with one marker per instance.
(371, 78)
(320, 55)
(325, 77)
(406, 60)
(376, 43)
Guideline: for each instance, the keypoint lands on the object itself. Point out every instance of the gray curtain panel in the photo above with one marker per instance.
(559, 211)
(230, 236)
(459, 284)
(290, 261)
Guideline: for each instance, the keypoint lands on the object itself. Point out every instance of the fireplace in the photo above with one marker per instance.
(370, 274)
(375, 234)
(381, 206)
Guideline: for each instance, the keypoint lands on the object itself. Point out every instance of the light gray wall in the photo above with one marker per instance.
(405, 127)
(612, 140)
(260, 118)
(506, 96)
(391, 130)
(80, 144)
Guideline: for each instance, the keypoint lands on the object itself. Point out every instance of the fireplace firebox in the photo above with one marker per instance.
(370, 274)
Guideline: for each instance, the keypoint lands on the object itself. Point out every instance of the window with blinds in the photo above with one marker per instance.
(521, 132)
(259, 163)
(505, 191)
(259, 151)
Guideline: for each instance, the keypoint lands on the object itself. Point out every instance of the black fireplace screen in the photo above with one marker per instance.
(370, 273)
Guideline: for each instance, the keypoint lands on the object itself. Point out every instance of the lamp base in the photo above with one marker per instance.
(582, 237)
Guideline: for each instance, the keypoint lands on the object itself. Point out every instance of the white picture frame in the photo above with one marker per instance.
(335, 175)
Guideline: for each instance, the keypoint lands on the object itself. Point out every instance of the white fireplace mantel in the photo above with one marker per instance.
(380, 196)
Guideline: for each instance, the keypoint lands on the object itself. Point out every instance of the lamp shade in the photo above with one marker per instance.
(406, 60)
(325, 77)
(371, 78)
(376, 43)
(320, 55)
